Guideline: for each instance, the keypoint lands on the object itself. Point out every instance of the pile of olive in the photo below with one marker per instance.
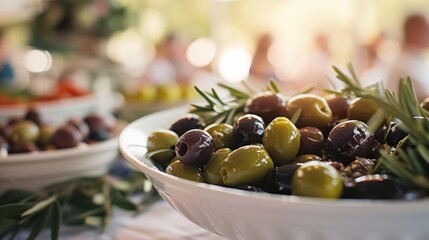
(33, 132)
(328, 151)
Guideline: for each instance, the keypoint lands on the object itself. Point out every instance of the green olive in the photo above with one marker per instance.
(315, 111)
(307, 158)
(282, 140)
(46, 133)
(178, 169)
(24, 131)
(246, 165)
(362, 109)
(221, 134)
(212, 168)
(317, 179)
(162, 140)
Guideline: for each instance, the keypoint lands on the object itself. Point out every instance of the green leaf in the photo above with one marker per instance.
(6, 225)
(14, 195)
(376, 121)
(40, 222)
(296, 116)
(40, 206)
(14, 209)
(119, 200)
(273, 86)
(57, 218)
(205, 96)
(234, 92)
(79, 219)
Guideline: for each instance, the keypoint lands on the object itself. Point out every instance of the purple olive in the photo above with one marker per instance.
(195, 147)
(80, 125)
(66, 137)
(339, 107)
(267, 105)
(312, 141)
(348, 140)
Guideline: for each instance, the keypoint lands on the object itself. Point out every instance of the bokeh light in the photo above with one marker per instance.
(37, 61)
(201, 52)
(234, 64)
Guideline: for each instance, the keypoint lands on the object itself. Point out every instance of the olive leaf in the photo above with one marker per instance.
(72, 203)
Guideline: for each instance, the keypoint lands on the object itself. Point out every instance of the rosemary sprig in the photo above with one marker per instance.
(224, 110)
(81, 201)
(410, 161)
(217, 109)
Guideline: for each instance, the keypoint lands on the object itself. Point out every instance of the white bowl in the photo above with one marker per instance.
(59, 111)
(33, 171)
(238, 214)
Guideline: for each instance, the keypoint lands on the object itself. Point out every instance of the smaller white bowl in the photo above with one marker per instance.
(59, 111)
(33, 171)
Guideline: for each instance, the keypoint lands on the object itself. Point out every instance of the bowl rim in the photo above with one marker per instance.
(73, 103)
(144, 165)
(50, 155)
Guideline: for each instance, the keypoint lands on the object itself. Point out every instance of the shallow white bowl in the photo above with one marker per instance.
(33, 171)
(59, 111)
(237, 214)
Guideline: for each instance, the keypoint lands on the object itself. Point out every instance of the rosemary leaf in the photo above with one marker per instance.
(273, 86)
(234, 92)
(296, 116)
(216, 96)
(205, 96)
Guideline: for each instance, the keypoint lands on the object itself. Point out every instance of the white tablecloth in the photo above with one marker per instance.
(159, 222)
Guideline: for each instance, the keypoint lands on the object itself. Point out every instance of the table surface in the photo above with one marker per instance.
(159, 222)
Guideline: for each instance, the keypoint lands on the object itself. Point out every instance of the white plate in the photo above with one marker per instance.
(59, 111)
(33, 171)
(237, 214)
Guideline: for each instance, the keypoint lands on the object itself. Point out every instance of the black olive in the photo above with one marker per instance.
(379, 186)
(348, 140)
(279, 180)
(395, 135)
(35, 116)
(195, 147)
(186, 123)
(248, 129)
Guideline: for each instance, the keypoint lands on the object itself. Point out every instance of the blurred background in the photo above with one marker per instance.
(153, 52)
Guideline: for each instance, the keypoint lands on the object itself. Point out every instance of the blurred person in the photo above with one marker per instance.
(411, 61)
(6, 70)
(170, 63)
(317, 72)
(261, 67)
(370, 66)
